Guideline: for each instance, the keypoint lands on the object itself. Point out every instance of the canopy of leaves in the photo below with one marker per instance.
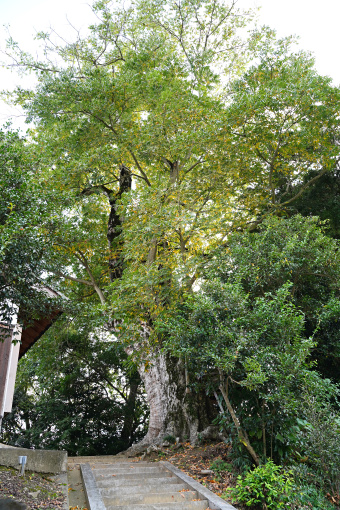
(162, 91)
(283, 121)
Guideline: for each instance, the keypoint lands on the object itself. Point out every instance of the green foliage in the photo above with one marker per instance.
(24, 209)
(309, 497)
(266, 487)
(129, 100)
(73, 393)
(220, 465)
(327, 351)
(278, 108)
(257, 342)
(322, 200)
(169, 438)
(293, 250)
(143, 90)
(256, 345)
(247, 330)
(321, 445)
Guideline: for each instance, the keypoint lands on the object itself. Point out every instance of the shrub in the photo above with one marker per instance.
(220, 465)
(322, 444)
(266, 487)
(308, 497)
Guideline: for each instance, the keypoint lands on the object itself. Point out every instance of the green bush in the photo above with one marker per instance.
(308, 497)
(266, 487)
(220, 465)
(322, 443)
(170, 439)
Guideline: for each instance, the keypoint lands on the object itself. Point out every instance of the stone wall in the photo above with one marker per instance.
(40, 461)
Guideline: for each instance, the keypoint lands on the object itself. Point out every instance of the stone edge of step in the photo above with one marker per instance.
(110, 492)
(93, 496)
(174, 506)
(215, 502)
(150, 499)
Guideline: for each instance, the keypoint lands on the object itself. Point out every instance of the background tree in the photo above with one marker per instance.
(323, 200)
(283, 121)
(24, 209)
(73, 393)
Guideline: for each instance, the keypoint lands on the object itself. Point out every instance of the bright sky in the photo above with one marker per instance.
(315, 22)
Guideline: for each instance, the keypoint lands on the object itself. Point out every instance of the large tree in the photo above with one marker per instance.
(160, 156)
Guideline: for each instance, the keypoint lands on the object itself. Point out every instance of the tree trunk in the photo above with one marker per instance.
(114, 226)
(173, 411)
(127, 430)
(242, 434)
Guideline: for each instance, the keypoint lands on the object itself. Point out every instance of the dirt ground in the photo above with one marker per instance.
(37, 491)
(209, 464)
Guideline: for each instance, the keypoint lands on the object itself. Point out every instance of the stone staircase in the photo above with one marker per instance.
(143, 486)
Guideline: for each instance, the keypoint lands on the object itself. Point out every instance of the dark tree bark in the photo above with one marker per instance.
(129, 419)
(114, 227)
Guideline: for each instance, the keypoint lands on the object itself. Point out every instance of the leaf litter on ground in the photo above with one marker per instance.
(196, 460)
(37, 491)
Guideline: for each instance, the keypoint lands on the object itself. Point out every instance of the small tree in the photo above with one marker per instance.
(245, 332)
(253, 352)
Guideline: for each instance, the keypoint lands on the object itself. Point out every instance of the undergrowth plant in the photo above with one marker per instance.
(220, 465)
(266, 487)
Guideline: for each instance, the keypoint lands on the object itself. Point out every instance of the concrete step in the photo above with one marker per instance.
(123, 465)
(187, 505)
(143, 489)
(147, 498)
(130, 471)
(145, 486)
(100, 459)
(113, 481)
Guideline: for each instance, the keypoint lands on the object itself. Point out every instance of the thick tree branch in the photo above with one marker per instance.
(304, 187)
(143, 174)
(72, 278)
(152, 251)
(81, 257)
(241, 433)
